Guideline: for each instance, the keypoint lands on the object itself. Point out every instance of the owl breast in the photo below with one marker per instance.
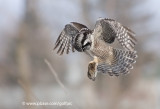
(101, 50)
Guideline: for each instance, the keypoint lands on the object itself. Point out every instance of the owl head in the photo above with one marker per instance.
(82, 40)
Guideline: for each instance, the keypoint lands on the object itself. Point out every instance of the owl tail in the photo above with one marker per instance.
(121, 63)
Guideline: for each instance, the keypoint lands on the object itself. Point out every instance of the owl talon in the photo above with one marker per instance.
(92, 70)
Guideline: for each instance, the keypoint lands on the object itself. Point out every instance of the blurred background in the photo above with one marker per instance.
(28, 31)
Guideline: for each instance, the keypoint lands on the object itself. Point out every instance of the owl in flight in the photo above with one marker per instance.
(97, 44)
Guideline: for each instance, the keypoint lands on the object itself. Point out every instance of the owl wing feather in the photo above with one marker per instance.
(64, 41)
(109, 29)
(120, 61)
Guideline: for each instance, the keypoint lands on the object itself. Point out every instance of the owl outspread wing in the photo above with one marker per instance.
(108, 29)
(119, 62)
(64, 41)
(114, 61)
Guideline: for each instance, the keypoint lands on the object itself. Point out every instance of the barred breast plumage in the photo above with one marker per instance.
(102, 51)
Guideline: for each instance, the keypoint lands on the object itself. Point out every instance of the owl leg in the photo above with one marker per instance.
(92, 69)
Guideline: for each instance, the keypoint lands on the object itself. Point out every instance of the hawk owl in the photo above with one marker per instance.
(96, 43)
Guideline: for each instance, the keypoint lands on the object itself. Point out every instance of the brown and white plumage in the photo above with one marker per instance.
(112, 60)
(109, 29)
(64, 41)
(97, 42)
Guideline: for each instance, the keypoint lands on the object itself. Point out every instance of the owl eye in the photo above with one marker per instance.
(87, 44)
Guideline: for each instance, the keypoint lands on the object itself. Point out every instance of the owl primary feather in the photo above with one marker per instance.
(96, 43)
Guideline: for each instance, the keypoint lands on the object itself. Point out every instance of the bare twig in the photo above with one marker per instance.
(59, 81)
(32, 95)
(55, 75)
(22, 84)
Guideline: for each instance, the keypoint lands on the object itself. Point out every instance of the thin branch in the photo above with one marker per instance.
(59, 81)
(55, 75)
(32, 95)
